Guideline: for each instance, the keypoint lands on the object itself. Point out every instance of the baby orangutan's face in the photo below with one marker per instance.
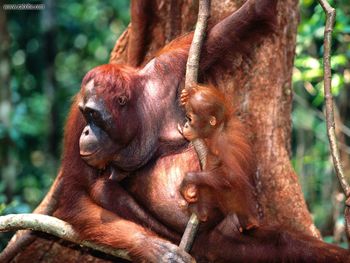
(197, 126)
(191, 127)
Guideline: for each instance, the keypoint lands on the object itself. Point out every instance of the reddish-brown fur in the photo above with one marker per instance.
(227, 182)
(141, 112)
(92, 203)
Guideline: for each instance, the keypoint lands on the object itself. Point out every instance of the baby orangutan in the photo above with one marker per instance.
(226, 182)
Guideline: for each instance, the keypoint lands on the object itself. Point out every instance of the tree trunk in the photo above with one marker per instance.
(266, 92)
(259, 85)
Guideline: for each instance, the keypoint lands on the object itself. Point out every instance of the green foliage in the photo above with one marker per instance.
(311, 157)
(309, 50)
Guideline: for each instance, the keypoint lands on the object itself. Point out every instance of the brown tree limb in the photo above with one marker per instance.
(330, 19)
(56, 227)
(190, 81)
(118, 54)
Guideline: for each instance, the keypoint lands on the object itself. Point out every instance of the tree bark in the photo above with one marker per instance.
(260, 87)
(268, 101)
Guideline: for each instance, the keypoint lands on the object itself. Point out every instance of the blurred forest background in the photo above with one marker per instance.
(44, 55)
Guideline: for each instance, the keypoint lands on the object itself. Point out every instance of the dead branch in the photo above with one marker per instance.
(330, 18)
(190, 81)
(56, 227)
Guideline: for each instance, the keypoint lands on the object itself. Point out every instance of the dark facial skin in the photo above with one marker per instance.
(197, 127)
(190, 128)
(96, 147)
(98, 144)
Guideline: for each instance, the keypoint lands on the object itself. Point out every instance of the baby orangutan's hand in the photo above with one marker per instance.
(184, 97)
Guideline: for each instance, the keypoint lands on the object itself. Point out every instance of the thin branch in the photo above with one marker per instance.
(330, 14)
(196, 45)
(190, 233)
(190, 81)
(56, 227)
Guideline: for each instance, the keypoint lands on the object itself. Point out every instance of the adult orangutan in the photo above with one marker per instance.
(123, 125)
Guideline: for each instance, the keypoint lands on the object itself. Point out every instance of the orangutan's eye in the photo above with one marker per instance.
(93, 116)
